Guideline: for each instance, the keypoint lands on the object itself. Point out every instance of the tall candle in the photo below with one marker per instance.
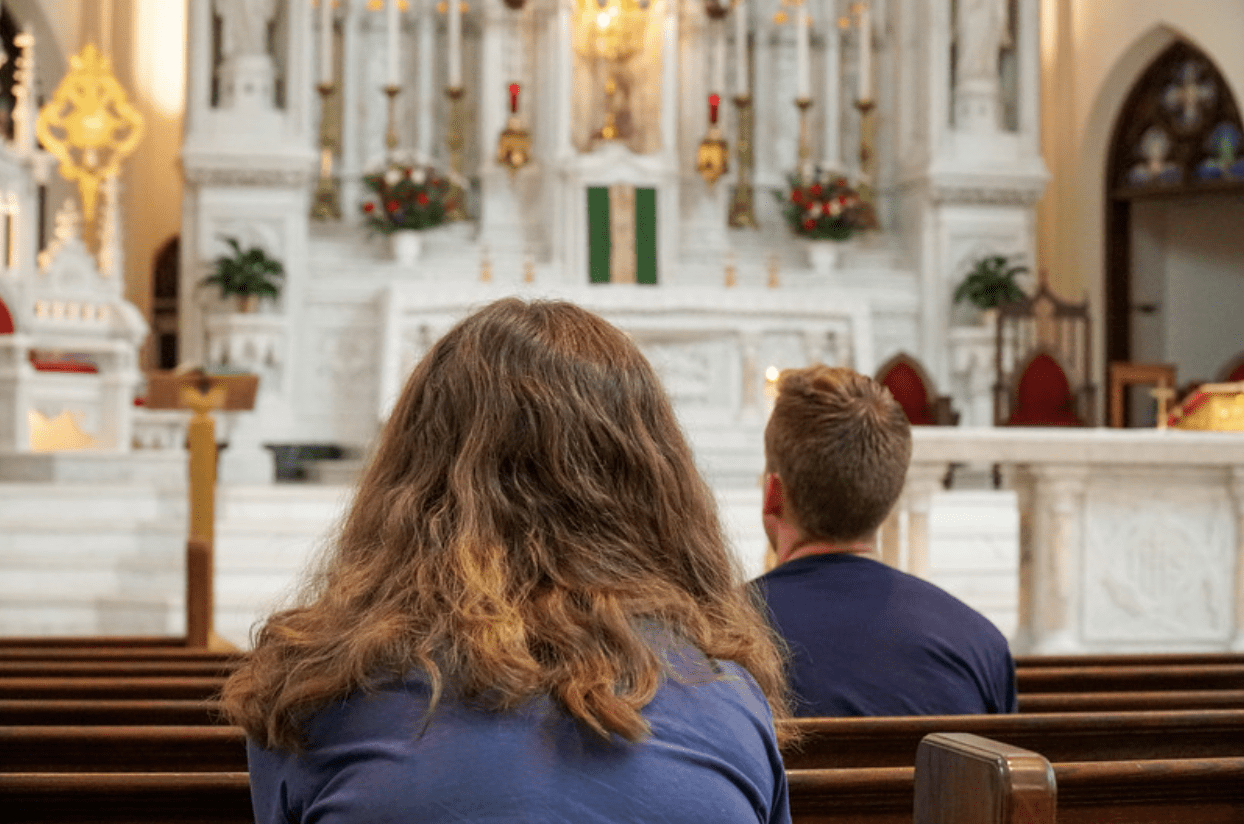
(740, 48)
(395, 37)
(866, 53)
(802, 70)
(455, 44)
(719, 60)
(326, 41)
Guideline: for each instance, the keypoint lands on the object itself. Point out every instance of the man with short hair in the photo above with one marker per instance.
(865, 639)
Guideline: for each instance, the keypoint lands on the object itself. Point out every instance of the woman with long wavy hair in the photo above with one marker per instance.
(529, 614)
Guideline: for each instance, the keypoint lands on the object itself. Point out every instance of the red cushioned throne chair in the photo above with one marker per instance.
(913, 389)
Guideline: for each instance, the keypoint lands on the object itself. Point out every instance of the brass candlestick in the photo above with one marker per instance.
(455, 140)
(713, 156)
(805, 137)
(390, 131)
(742, 205)
(325, 205)
(867, 138)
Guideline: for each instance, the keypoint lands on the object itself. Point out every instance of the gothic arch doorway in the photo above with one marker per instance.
(1174, 202)
(164, 288)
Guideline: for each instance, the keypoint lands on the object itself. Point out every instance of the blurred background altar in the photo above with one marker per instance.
(742, 186)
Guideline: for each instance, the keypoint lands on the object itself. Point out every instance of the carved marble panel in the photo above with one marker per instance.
(1153, 566)
(701, 374)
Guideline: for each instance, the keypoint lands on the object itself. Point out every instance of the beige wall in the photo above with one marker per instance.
(1093, 51)
(151, 181)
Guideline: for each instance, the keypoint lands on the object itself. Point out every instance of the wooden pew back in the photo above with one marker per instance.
(122, 749)
(838, 743)
(128, 798)
(83, 712)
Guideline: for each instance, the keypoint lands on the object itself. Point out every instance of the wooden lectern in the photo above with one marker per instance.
(202, 393)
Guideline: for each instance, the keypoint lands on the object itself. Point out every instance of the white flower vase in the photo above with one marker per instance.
(823, 255)
(407, 245)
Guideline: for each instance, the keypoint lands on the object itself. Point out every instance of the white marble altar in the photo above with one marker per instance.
(1130, 539)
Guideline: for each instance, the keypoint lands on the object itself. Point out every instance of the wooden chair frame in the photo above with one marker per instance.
(1018, 340)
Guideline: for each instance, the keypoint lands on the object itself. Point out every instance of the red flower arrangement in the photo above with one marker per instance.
(406, 196)
(825, 208)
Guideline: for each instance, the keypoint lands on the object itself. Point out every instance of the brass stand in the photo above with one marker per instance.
(742, 205)
(455, 140)
(390, 131)
(325, 204)
(805, 138)
(867, 138)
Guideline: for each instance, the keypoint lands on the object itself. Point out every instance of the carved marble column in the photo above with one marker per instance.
(1051, 499)
(1237, 499)
(923, 480)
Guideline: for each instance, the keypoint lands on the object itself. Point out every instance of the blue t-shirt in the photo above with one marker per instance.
(868, 639)
(712, 757)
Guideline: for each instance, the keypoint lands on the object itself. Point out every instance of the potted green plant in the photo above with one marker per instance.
(246, 275)
(990, 283)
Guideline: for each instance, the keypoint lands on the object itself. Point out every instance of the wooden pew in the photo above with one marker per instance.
(1131, 701)
(840, 743)
(85, 712)
(113, 668)
(93, 641)
(1126, 678)
(122, 749)
(110, 653)
(126, 798)
(1128, 659)
(1165, 791)
(184, 687)
(967, 779)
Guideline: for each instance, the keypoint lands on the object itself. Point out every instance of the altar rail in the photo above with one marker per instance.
(1129, 539)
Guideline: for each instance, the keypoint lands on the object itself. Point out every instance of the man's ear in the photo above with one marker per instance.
(774, 495)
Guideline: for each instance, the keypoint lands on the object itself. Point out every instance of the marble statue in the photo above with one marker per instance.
(245, 25)
(982, 29)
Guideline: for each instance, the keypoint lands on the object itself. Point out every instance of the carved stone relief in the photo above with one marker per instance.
(1152, 567)
(700, 375)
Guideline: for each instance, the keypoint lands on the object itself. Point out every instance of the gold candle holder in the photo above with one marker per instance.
(742, 205)
(390, 130)
(867, 138)
(805, 137)
(455, 141)
(326, 205)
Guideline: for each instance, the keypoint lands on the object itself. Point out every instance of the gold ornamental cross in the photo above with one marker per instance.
(89, 125)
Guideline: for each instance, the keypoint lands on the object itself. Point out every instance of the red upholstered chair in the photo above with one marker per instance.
(1042, 362)
(1233, 371)
(6, 319)
(911, 387)
(1043, 395)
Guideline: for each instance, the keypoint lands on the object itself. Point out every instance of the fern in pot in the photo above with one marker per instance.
(246, 275)
(991, 283)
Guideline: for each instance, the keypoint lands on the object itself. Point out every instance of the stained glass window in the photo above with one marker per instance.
(1179, 127)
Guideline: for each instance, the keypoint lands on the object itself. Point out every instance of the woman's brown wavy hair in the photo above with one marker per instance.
(531, 506)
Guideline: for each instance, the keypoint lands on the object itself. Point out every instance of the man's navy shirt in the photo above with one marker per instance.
(867, 639)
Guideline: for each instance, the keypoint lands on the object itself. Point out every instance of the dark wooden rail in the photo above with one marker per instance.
(126, 798)
(113, 687)
(82, 712)
(122, 749)
(836, 743)
(1124, 678)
